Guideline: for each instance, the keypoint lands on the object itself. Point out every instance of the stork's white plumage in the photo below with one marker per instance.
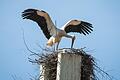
(52, 33)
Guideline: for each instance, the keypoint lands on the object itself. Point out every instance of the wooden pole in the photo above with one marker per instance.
(68, 67)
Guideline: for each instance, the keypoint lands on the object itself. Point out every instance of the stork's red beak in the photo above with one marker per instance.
(73, 39)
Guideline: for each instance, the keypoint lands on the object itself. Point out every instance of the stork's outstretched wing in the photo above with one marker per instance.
(78, 26)
(43, 20)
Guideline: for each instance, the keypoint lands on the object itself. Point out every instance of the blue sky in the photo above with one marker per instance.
(103, 43)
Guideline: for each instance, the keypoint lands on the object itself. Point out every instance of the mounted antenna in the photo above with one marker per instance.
(55, 22)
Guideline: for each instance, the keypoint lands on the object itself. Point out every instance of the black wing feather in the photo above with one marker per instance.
(41, 21)
(83, 28)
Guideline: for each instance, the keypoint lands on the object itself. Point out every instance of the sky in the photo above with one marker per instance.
(103, 43)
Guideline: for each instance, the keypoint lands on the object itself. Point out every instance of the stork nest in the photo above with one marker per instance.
(48, 60)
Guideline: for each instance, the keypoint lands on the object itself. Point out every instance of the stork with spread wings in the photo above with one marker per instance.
(52, 33)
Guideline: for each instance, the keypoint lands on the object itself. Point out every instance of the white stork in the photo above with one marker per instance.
(52, 33)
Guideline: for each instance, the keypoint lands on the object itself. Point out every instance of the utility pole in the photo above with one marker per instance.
(67, 64)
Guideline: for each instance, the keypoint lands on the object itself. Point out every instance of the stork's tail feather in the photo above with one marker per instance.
(50, 42)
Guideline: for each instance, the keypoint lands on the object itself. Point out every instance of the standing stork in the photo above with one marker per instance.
(52, 33)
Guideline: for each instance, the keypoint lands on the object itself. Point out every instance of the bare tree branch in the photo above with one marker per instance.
(26, 43)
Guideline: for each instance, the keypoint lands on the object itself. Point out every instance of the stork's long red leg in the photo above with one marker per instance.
(57, 45)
